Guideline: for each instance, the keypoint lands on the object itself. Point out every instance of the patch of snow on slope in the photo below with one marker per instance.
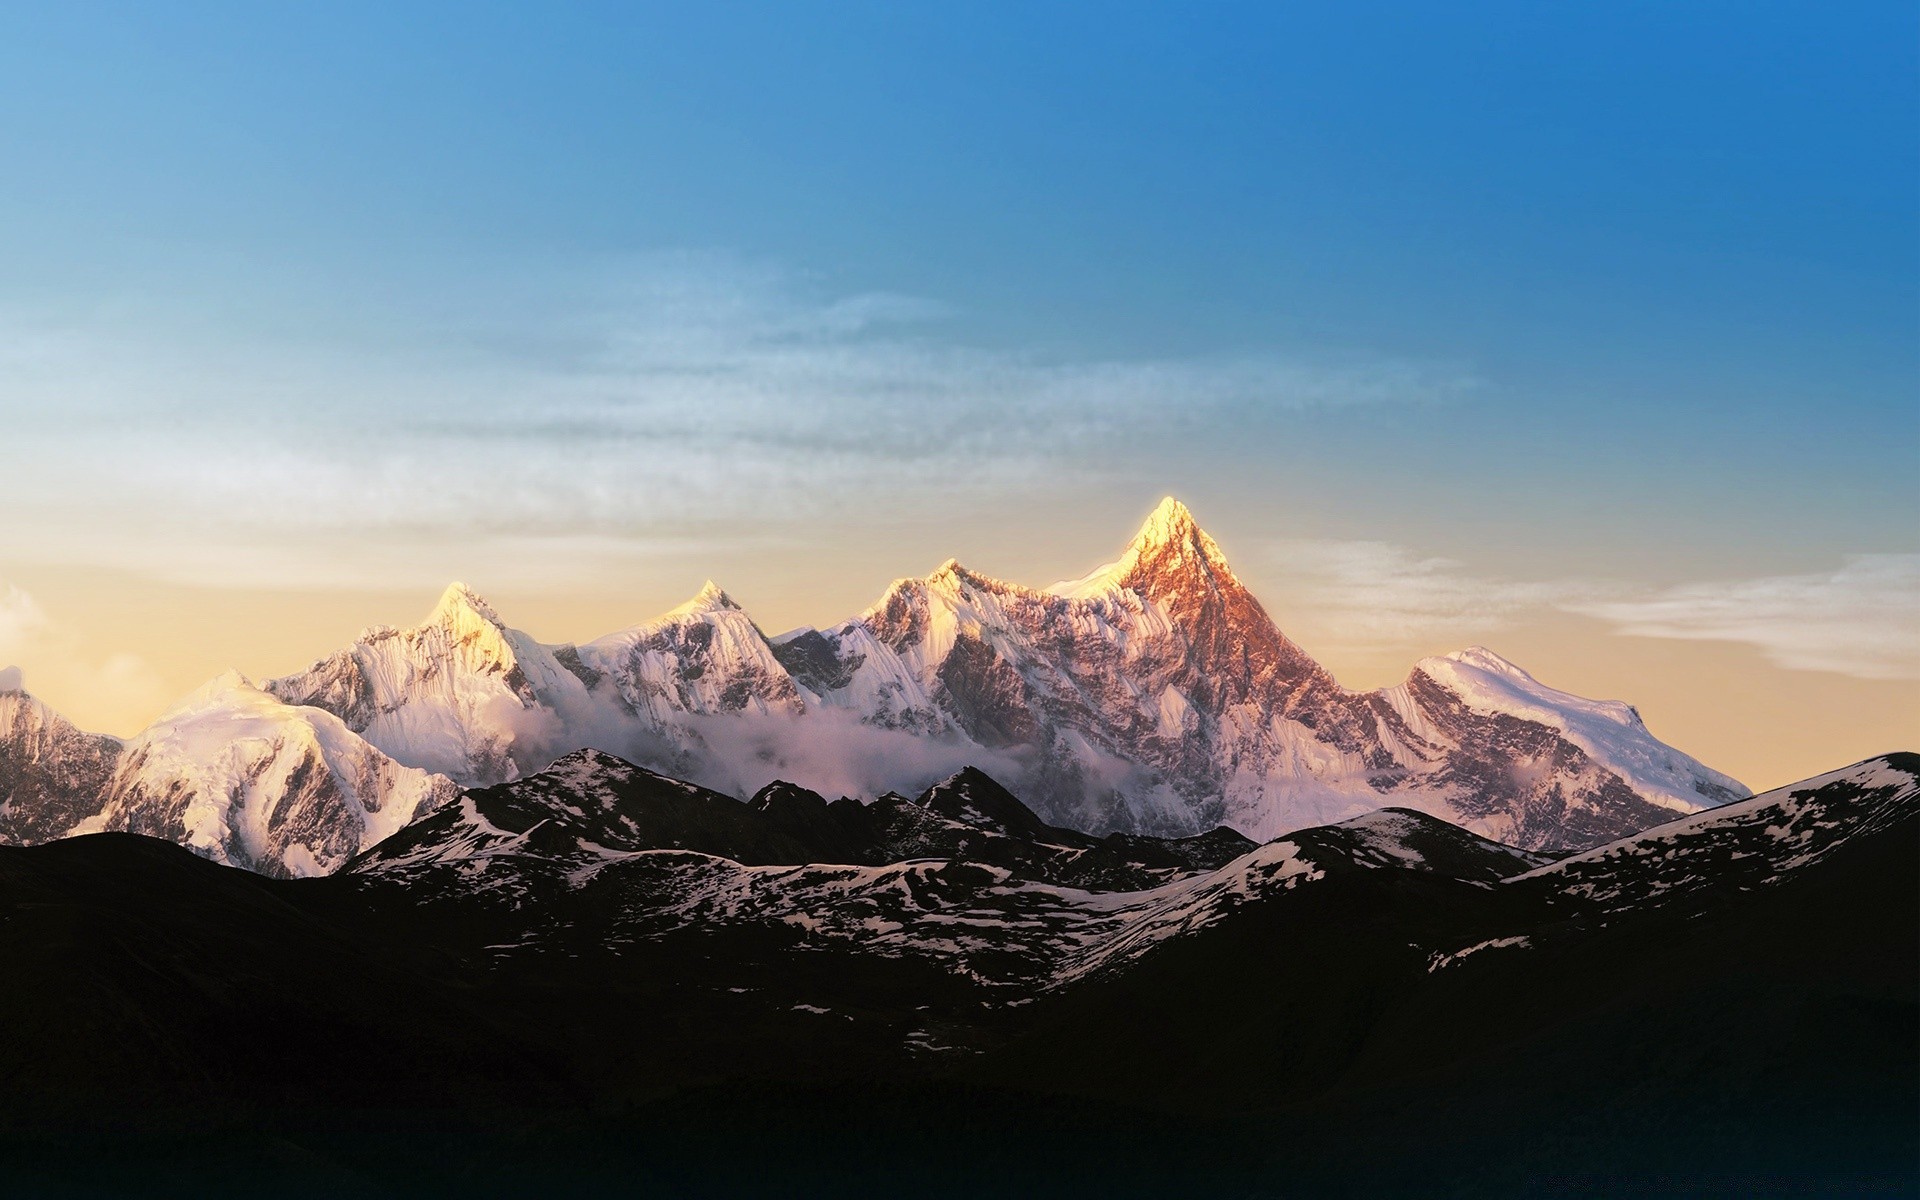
(1172, 910)
(1440, 962)
(1611, 732)
(1751, 844)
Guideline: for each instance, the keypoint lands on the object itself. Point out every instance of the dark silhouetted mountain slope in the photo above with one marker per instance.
(597, 977)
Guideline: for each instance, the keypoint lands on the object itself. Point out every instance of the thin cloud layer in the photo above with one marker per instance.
(687, 393)
(1356, 596)
(38, 651)
(1862, 620)
(22, 622)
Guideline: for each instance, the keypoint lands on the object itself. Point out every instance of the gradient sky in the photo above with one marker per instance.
(1587, 332)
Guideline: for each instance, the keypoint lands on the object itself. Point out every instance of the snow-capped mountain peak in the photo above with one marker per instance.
(1490, 683)
(1169, 548)
(704, 657)
(1608, 731)
(238, 776)
(465, 626)
(1171, 526)
(52, 775)
(1483, 659)
(461, 608)
(1155, 695)
(461, 695)
(230, 682)
(710, 598)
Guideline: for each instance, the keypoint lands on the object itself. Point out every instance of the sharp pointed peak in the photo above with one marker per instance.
(228, 690)
(951, 571)
(1169, 537)
(231, 679)
(1170, 530)
(1171, 523)
(1170, 513)
(460, 602)
(12, 679)
(710, 598)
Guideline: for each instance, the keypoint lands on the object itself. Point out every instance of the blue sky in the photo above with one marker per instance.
(1681, 234)
(605, 298)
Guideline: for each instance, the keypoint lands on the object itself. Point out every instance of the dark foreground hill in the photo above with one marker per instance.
(603, 981)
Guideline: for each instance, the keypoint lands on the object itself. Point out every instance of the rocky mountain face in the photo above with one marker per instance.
(460, 694)
(592, 814)
(52, 775)
(1687, 866)
(705, 658)
(1153, 696)
(964, 878)
(229, 772)
(238, 777)
(598, 973)
(967, 878)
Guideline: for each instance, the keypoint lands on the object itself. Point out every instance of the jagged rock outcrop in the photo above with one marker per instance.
(241, 778)
(52, 775)
(460, 694)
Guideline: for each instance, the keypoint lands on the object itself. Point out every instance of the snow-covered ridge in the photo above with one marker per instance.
(593, 824)
(1154, 696)
(704, 657)
(1609, 731)
(1881, 777)
(598, 834)
(1746, 844)
(242, 778)
(1170, 531)
(52, 774)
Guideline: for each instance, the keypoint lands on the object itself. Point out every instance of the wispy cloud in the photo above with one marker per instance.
(678, 394)
(35, 647)
(1861, 620)
(1364, 596)
(22, 622)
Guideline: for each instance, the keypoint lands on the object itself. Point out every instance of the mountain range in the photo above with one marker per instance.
(1153, 696)
(599, 979)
